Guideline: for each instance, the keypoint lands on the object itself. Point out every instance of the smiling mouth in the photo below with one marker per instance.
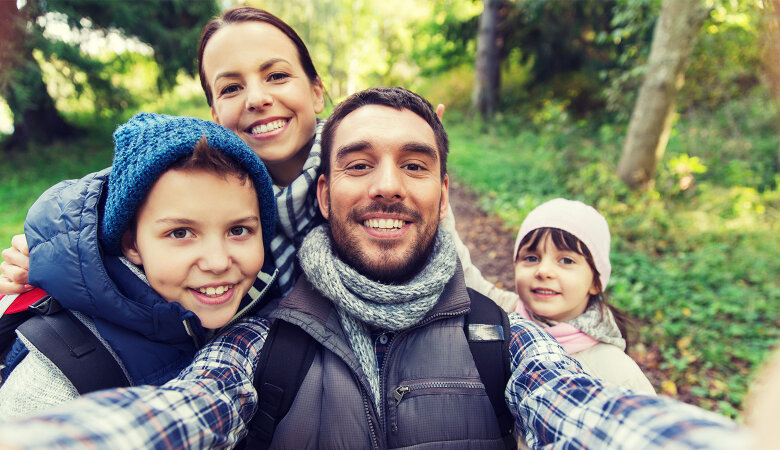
(384, 224)
(214, 291)
(544, 291)
(266, 127)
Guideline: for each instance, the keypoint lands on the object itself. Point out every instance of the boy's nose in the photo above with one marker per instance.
(215, 258)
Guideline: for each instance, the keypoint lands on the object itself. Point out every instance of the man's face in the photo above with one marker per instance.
(384, 196)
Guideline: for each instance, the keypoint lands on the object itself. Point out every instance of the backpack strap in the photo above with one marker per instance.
(287, 355)
(487, 331)
(72, 347)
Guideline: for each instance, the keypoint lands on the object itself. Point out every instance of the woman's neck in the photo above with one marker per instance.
(285, 172)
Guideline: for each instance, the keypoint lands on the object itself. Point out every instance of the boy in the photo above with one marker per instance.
(175, 245)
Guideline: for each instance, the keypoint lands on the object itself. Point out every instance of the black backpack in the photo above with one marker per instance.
(288, 352)
(66, 342)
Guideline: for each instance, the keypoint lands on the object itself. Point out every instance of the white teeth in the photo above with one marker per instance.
(212, 291)
(544, 291)
(386, 224)
(270, 126)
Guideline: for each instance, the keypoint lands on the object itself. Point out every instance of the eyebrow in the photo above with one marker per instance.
(411, 147)
(263, 67)
(190, 222)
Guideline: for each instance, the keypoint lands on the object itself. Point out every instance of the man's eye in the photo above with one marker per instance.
(413, 167)
(359, 166)
(180, 233)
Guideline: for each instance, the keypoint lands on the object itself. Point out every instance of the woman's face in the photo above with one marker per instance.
(261, 92)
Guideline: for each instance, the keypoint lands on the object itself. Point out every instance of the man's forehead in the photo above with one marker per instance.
(383, 126)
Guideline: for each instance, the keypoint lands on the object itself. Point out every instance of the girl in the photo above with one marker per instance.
(561, 270)
(260, 82)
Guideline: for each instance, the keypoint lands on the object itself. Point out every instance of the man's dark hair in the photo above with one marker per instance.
(394, 97)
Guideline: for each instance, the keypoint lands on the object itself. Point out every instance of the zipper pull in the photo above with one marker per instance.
(399, 393)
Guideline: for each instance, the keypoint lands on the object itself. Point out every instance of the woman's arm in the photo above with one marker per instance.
(15, 267)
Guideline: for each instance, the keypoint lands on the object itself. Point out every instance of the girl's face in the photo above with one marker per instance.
(555, 284)
(261, 92)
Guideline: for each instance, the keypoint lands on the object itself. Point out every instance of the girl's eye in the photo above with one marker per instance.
(566, 260)
(180, 233)
(278, 76)
(530, 258)
(239, 231)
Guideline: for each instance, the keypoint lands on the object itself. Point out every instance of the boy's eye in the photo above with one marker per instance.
(239, 231)
(180, 233)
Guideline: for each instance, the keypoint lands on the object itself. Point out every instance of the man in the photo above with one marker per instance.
(384, 297)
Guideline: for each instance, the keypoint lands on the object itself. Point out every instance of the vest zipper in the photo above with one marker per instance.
(401, 391)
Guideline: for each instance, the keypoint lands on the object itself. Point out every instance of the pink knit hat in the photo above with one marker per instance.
(577, 218)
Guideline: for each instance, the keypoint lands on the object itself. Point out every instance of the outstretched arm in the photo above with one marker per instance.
(207, 406)
(558, 405)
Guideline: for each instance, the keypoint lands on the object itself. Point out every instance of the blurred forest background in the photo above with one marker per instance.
(670, 130)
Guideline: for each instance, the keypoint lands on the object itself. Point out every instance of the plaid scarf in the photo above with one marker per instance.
(298, 213)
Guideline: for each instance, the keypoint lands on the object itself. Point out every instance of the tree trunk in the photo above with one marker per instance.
(651, 120)
(771, 51)
(487, 81)
(35, 116)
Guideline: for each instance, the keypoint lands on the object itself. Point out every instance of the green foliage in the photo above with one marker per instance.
(694, 260)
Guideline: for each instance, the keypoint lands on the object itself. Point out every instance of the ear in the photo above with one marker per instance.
(214, 116)
(594, 290)
(445, 197)
(322, 195)
(130, 249)
(318, 93)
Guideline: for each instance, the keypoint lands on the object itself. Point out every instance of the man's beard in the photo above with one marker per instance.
(384, 268)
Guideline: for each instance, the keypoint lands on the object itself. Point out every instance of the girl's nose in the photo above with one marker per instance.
(544, 269)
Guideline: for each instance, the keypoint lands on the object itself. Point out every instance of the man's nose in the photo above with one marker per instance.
(388, 183)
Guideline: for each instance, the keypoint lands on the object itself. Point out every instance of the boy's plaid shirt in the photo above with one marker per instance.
(555, 405)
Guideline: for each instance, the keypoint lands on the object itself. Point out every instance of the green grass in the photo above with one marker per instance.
(698, 267)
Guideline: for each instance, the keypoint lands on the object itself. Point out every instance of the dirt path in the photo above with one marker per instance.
(489, 243)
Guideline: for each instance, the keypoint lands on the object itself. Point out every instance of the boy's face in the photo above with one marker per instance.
(199, 240)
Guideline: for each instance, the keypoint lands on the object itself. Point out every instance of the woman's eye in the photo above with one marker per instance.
(229, 89)
(180, 233)
(278, 76)
(239, 231)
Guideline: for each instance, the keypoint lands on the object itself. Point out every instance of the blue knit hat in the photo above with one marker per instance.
(147, 145)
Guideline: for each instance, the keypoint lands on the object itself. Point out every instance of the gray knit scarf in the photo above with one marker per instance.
(297, 214)
(361, 301)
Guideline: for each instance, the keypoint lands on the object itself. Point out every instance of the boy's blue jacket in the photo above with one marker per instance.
(154, 339)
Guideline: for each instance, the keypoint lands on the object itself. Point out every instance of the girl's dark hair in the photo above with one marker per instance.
(242, 14)
(563, 240)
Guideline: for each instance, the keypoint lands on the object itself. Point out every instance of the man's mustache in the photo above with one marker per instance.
(384, 208)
